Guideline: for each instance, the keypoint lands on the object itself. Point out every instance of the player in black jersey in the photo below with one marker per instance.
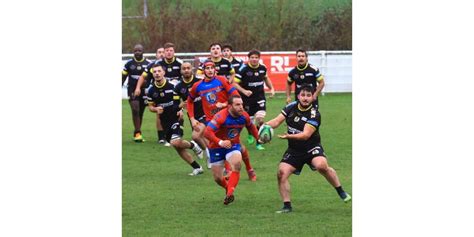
(132, 69)
(223, 66)
(304, 146)
(163, 100)
(249, 82)
(182, 89)
(172, 67)
(227, 54)
(304, 73)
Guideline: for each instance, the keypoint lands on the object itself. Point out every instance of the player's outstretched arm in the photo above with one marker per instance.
(277, 121)
(303, 136)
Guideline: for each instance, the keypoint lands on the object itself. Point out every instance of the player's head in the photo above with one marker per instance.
(254, 57)
(138, 51)
(227, 51)
(236, 105)
(158, 72)
(305, 96)
(186, 70)
(301, 57)
(209, 68)
(169, 50)
(215, 49)
(160, 53)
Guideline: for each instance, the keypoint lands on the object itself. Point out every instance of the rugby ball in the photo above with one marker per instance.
(265, 133)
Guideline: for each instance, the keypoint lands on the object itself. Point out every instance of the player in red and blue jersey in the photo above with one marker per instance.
(223, 133)
(214, 92)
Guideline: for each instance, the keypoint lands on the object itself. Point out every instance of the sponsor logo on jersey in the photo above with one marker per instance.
(211, 97)
(309, 74)
(224, 66)
(296, 119)
(256, 74)
(261, 71)
(232, 133)
(139, 68)
(132, 67)
(175, 67)
(249, 73)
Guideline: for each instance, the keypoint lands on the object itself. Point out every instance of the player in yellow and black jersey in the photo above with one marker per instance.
(163, 100)
(304, 73)
(132, 70)
(223, 66)
(304, 146)
(249, 82)
(227, 54)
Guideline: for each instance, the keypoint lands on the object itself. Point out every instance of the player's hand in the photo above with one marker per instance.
(137, 92)
(220, 105)
(283, 136)
(248, 93)
(272, 92)
(159, 110)
(226, 144)
(180, 115)
(288, 100)
(194, 124)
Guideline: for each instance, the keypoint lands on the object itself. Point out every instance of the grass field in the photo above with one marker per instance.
(160, 199)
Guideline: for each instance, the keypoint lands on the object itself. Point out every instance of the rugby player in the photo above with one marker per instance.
(249, 82)
(227, 54)
(163, 100)
(214, 92)
(223, 66)
(132, 69)
(304, 73)
(304, 146)
(223, 133)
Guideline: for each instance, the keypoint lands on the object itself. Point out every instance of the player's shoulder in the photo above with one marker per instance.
(239, 60)
(262, 66)
(224, 61)
(178, 60)
(244, 67)
(128, 62)
(293, 70)
(147, 61)
(291, 105)
(312, 67)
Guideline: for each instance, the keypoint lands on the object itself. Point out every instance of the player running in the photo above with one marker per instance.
(163, 100)
(227, 54)
(132, 69)
(249, 82)
(182, 89)
(214, 92)
(172, 67)
(304, 73)
(223, 133)
(222, 65)
(304, 146)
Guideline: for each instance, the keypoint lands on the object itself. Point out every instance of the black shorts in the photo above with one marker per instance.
(173, 131)
(253, 106)
(297, 159)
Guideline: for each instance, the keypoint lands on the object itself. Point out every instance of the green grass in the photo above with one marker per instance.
(160, 199)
